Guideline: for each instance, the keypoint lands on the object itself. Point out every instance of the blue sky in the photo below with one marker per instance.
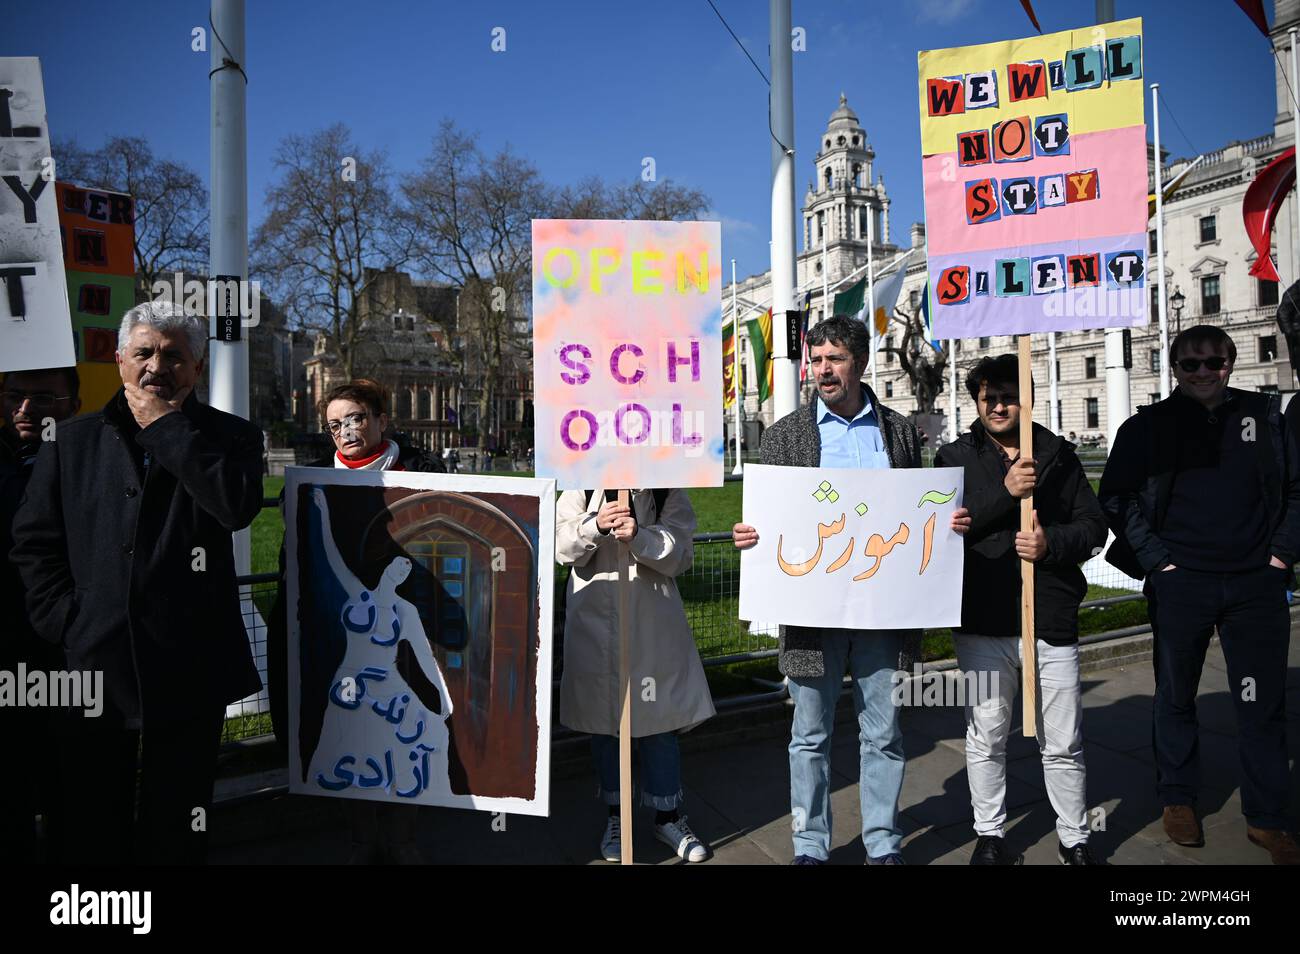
(589, 87)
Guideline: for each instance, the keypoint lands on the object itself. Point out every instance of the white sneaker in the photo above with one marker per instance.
(679, 837)
(611, 844)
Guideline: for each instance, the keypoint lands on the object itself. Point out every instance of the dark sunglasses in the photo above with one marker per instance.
(1191, 365)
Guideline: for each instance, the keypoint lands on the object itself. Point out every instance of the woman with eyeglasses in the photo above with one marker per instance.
(355, 417)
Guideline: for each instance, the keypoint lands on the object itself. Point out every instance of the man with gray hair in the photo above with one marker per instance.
(124, 546)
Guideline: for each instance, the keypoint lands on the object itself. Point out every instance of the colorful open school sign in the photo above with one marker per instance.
(35, 328)
(1035, 171)
(627, 353)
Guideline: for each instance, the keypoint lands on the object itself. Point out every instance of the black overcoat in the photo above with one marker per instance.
(123, 542)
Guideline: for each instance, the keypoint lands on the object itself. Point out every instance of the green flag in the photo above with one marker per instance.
(851, 302)
(760, 340)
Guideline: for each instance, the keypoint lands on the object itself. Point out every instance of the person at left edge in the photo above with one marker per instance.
(124, 545)
(32, 403)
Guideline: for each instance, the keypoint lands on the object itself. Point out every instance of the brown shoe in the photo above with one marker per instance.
(1182, 826)
(1280, 844)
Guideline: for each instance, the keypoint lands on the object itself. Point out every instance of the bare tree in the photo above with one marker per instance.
(171, 203)
(330, 227)
(592, 198)
(470, 217)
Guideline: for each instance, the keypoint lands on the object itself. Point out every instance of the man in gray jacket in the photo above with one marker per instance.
(845, 427)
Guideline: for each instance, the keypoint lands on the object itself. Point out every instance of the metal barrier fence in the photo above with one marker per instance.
(251, 717)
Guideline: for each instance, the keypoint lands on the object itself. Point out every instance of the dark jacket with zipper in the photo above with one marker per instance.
(795, 441)
(1071, 519)
(1138, 483)
(130, 568)
(277, 626)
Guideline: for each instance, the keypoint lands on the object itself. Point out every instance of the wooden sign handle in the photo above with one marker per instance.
(1028, 642)
(625, 684)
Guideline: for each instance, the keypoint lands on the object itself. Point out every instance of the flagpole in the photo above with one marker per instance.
(952, 390)
(1054, 412)
(871, 293)
(825, 277)
(735, 365)
(785, 370)
(1118, 389)
(1295, 141)
(1160, 248)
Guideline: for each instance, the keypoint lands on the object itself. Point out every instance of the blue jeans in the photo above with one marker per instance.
(872, 659)
(661, 769)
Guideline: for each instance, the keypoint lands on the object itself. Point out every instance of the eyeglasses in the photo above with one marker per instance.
(1190, 365)
(353, 421)
(41, 401)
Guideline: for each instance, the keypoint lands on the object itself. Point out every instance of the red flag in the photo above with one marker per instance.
(1029, 9)
(1255, 10)
(1260, 207)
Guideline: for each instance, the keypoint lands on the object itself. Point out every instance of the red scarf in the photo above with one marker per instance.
(362, 462)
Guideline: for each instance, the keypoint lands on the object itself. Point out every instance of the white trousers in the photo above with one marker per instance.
(997, 664)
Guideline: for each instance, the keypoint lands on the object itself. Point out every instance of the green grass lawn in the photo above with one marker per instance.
(268, 530)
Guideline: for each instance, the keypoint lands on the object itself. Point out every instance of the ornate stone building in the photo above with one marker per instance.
(408, 347)
(415, 345)
(843, 207)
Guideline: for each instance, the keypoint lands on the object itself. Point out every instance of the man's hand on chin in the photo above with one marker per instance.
(146, 407)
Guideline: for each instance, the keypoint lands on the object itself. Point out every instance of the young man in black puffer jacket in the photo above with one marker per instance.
(1069, 528)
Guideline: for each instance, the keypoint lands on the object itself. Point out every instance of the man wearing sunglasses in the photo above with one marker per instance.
(1203, 493)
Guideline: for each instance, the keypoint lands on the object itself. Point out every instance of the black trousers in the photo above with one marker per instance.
(1250, 611)
(28, 790)
(104, 766)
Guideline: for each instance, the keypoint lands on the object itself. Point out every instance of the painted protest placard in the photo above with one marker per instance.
(627, 353)
(1035, 176)
(35, 324)
(863, 549)
(99, 261)
(420, 647)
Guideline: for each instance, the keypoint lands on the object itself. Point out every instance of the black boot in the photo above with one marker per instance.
(1078, 855)
(992, 850)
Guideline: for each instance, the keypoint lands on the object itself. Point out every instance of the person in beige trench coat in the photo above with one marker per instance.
(669, 691)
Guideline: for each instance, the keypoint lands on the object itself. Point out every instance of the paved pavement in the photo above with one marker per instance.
(738, 796)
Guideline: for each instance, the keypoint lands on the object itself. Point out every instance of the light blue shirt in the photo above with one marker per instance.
(856, 443)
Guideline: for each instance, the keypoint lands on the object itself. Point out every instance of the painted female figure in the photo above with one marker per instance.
(369, 700)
